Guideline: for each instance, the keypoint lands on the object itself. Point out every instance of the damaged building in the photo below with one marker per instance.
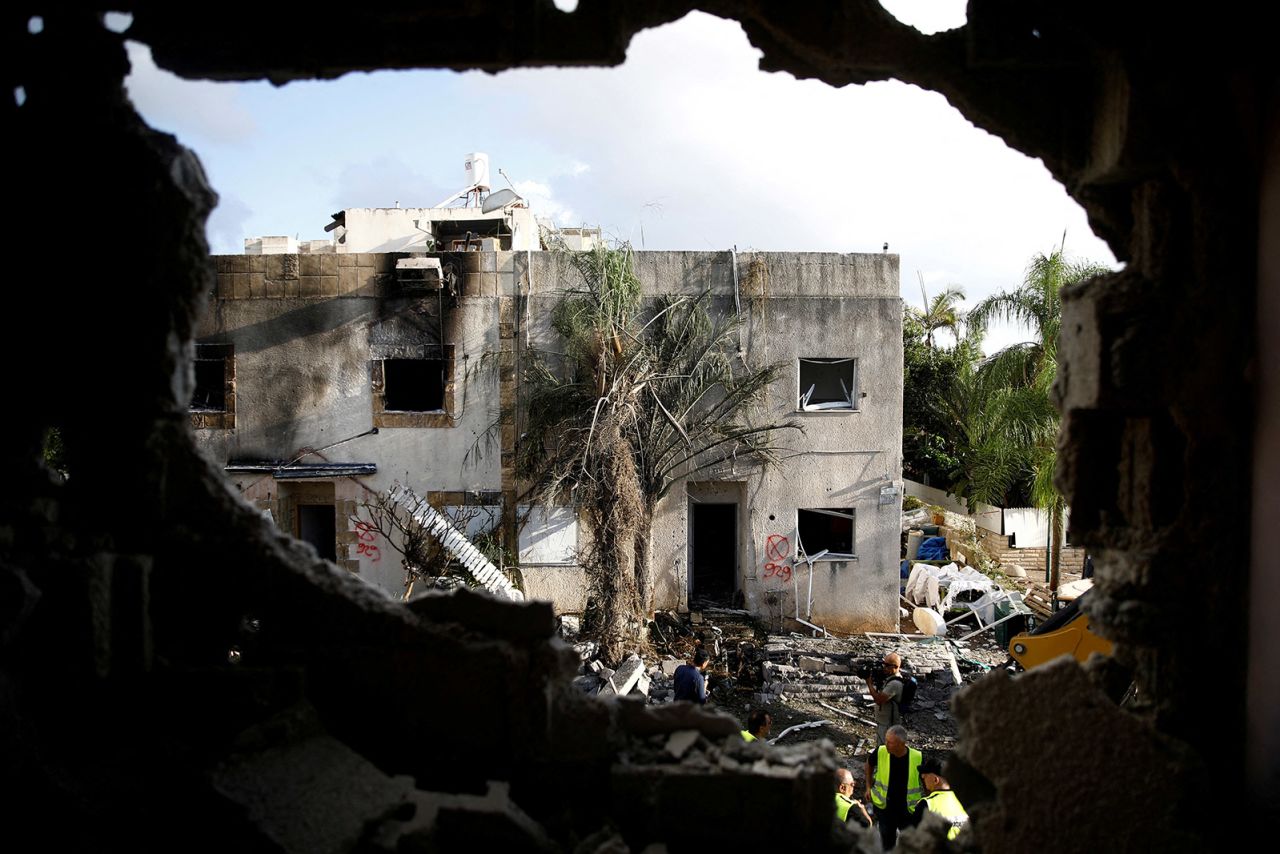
(305, 353)
(123, 726)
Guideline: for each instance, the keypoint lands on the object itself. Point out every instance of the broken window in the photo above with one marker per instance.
(828, 384)
(413, 385)
(212, 403)
(828, 529)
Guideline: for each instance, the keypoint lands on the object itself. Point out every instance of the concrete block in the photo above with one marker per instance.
(813, 665)
(642, 685)
(837, 668)
(348, 279)
(628, 674)
(669, 666)
(679, 742)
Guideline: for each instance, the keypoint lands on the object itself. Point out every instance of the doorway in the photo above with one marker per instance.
(713, 546)
(317, 526)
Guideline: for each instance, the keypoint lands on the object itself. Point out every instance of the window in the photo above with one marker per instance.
(412, 385)
(828, 384)
(212, 403)
(549, 535)
(829, 529)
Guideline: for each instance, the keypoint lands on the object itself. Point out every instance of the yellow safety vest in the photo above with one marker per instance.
(842, 807)
(880, 786)
(747, 737)
(945, 803)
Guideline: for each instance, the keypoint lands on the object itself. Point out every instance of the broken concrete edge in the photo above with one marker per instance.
(1056, 738)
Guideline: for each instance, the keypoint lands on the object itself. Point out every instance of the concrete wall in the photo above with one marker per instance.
(303, 381)
(798, 305)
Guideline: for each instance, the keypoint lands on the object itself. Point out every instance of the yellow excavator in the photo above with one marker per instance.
(1065, 633)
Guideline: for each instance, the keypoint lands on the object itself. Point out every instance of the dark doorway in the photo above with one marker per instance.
(714, 550)
(317, 526)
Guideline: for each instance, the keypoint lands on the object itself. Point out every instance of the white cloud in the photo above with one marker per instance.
(735, 156)
(225, 229)
(542, 201)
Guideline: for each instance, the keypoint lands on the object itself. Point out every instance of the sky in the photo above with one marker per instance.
(686, 146)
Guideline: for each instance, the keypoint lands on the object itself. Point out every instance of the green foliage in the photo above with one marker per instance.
(1011, 417)
(910, 502)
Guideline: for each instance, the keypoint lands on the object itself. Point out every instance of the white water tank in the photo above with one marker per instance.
(476, 168)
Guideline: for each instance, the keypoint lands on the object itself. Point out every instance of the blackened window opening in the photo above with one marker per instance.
(413, 385)
(210, 394)
(827, 529)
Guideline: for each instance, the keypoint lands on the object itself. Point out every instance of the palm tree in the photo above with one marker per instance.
(1014, 385)
(643, 396)
(941, 312)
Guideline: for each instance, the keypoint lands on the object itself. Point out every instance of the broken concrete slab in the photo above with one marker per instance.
(669, 666)
(627, 675)
(478, 610)
(1061, 713)
(813, 665)
(642, 685)
(680, 741)
(634, 716)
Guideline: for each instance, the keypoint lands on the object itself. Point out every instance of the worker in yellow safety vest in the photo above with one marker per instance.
(848, 809)
(893, 785)
(759, 722)
(940, 799)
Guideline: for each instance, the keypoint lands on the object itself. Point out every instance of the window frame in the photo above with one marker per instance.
(851, 513)
(384, 417)
(854, 395)
(216, 419)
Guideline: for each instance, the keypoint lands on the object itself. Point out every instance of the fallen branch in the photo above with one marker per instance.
(860, 720)
(780, 736)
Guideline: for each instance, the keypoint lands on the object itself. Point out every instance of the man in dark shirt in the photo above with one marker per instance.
(893, 785)
(690, 684)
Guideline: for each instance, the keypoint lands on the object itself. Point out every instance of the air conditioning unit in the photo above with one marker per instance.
(419, 273)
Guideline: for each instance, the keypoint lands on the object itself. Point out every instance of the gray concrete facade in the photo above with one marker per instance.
(306, 380)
